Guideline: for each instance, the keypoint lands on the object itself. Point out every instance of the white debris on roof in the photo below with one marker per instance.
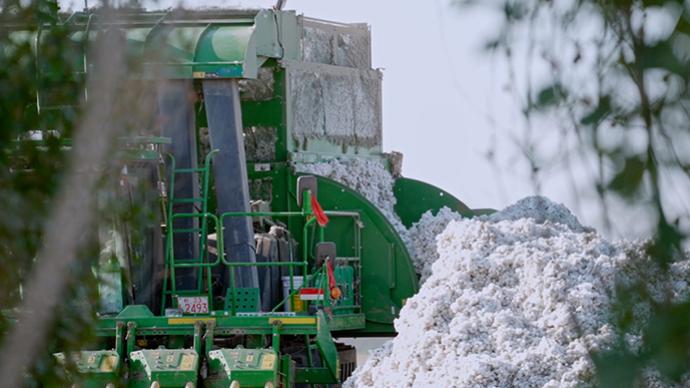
(510, 302)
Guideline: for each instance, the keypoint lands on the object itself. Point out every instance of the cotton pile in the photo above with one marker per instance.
(516, 299)
(540, 209)
(423, 234)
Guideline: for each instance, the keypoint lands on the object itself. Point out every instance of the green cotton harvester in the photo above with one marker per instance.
(251, 270)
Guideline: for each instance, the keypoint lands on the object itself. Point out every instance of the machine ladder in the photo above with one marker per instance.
(200, 231)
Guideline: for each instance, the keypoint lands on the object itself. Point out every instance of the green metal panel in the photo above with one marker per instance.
(223, 322)
(249, 367)
(343, 322)
(344, 278)
(270, 113)
(192, 44)
(169, 367)
(246, 300)
(327, 349)
(134, 311)
(414, 198)
(388, 276)
(96, 368)
(226, 52)
(313, 376)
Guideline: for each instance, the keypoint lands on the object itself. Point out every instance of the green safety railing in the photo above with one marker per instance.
(204, 262)
(308, 213)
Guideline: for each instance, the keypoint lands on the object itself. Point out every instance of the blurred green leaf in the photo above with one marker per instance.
(550, 96)
(660, 56)
(515, 10)
(628, 181)
(667, 243)
(599, 113)
(617, 367)
(629, 65)
(668, 339)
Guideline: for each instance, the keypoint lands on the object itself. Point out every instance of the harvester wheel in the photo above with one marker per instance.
(189, 385)
(235, 384)
(268, 384)
(155, 384)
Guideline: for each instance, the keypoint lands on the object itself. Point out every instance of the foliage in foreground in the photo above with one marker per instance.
(616, 75)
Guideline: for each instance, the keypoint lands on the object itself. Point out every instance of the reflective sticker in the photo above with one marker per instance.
(268, 361)
(311, 293)
(187, 362)
(294, 321)
(189, 321)
(109, 363)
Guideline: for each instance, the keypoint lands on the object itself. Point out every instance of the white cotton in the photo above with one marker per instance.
(423, 233)
(511, 301)
(517, 298)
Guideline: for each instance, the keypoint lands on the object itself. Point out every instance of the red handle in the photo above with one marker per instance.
(331, 276)
(321, 216)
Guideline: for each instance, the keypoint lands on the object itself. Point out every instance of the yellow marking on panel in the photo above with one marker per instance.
(268, 361)
(198, 74)
(108, 364)
(187, 362)
(188, 321)
(294, 321)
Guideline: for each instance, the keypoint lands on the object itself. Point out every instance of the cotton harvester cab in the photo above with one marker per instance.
(255, 269)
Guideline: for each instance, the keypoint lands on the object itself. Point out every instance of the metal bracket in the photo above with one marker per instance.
(306, 182)
(325, 250)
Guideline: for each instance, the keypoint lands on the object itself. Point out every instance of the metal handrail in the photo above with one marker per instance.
(219, 221)
(304, 263)
(306, 212)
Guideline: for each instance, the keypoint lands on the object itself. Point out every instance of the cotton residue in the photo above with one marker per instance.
(422, 235)
(517, 299)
